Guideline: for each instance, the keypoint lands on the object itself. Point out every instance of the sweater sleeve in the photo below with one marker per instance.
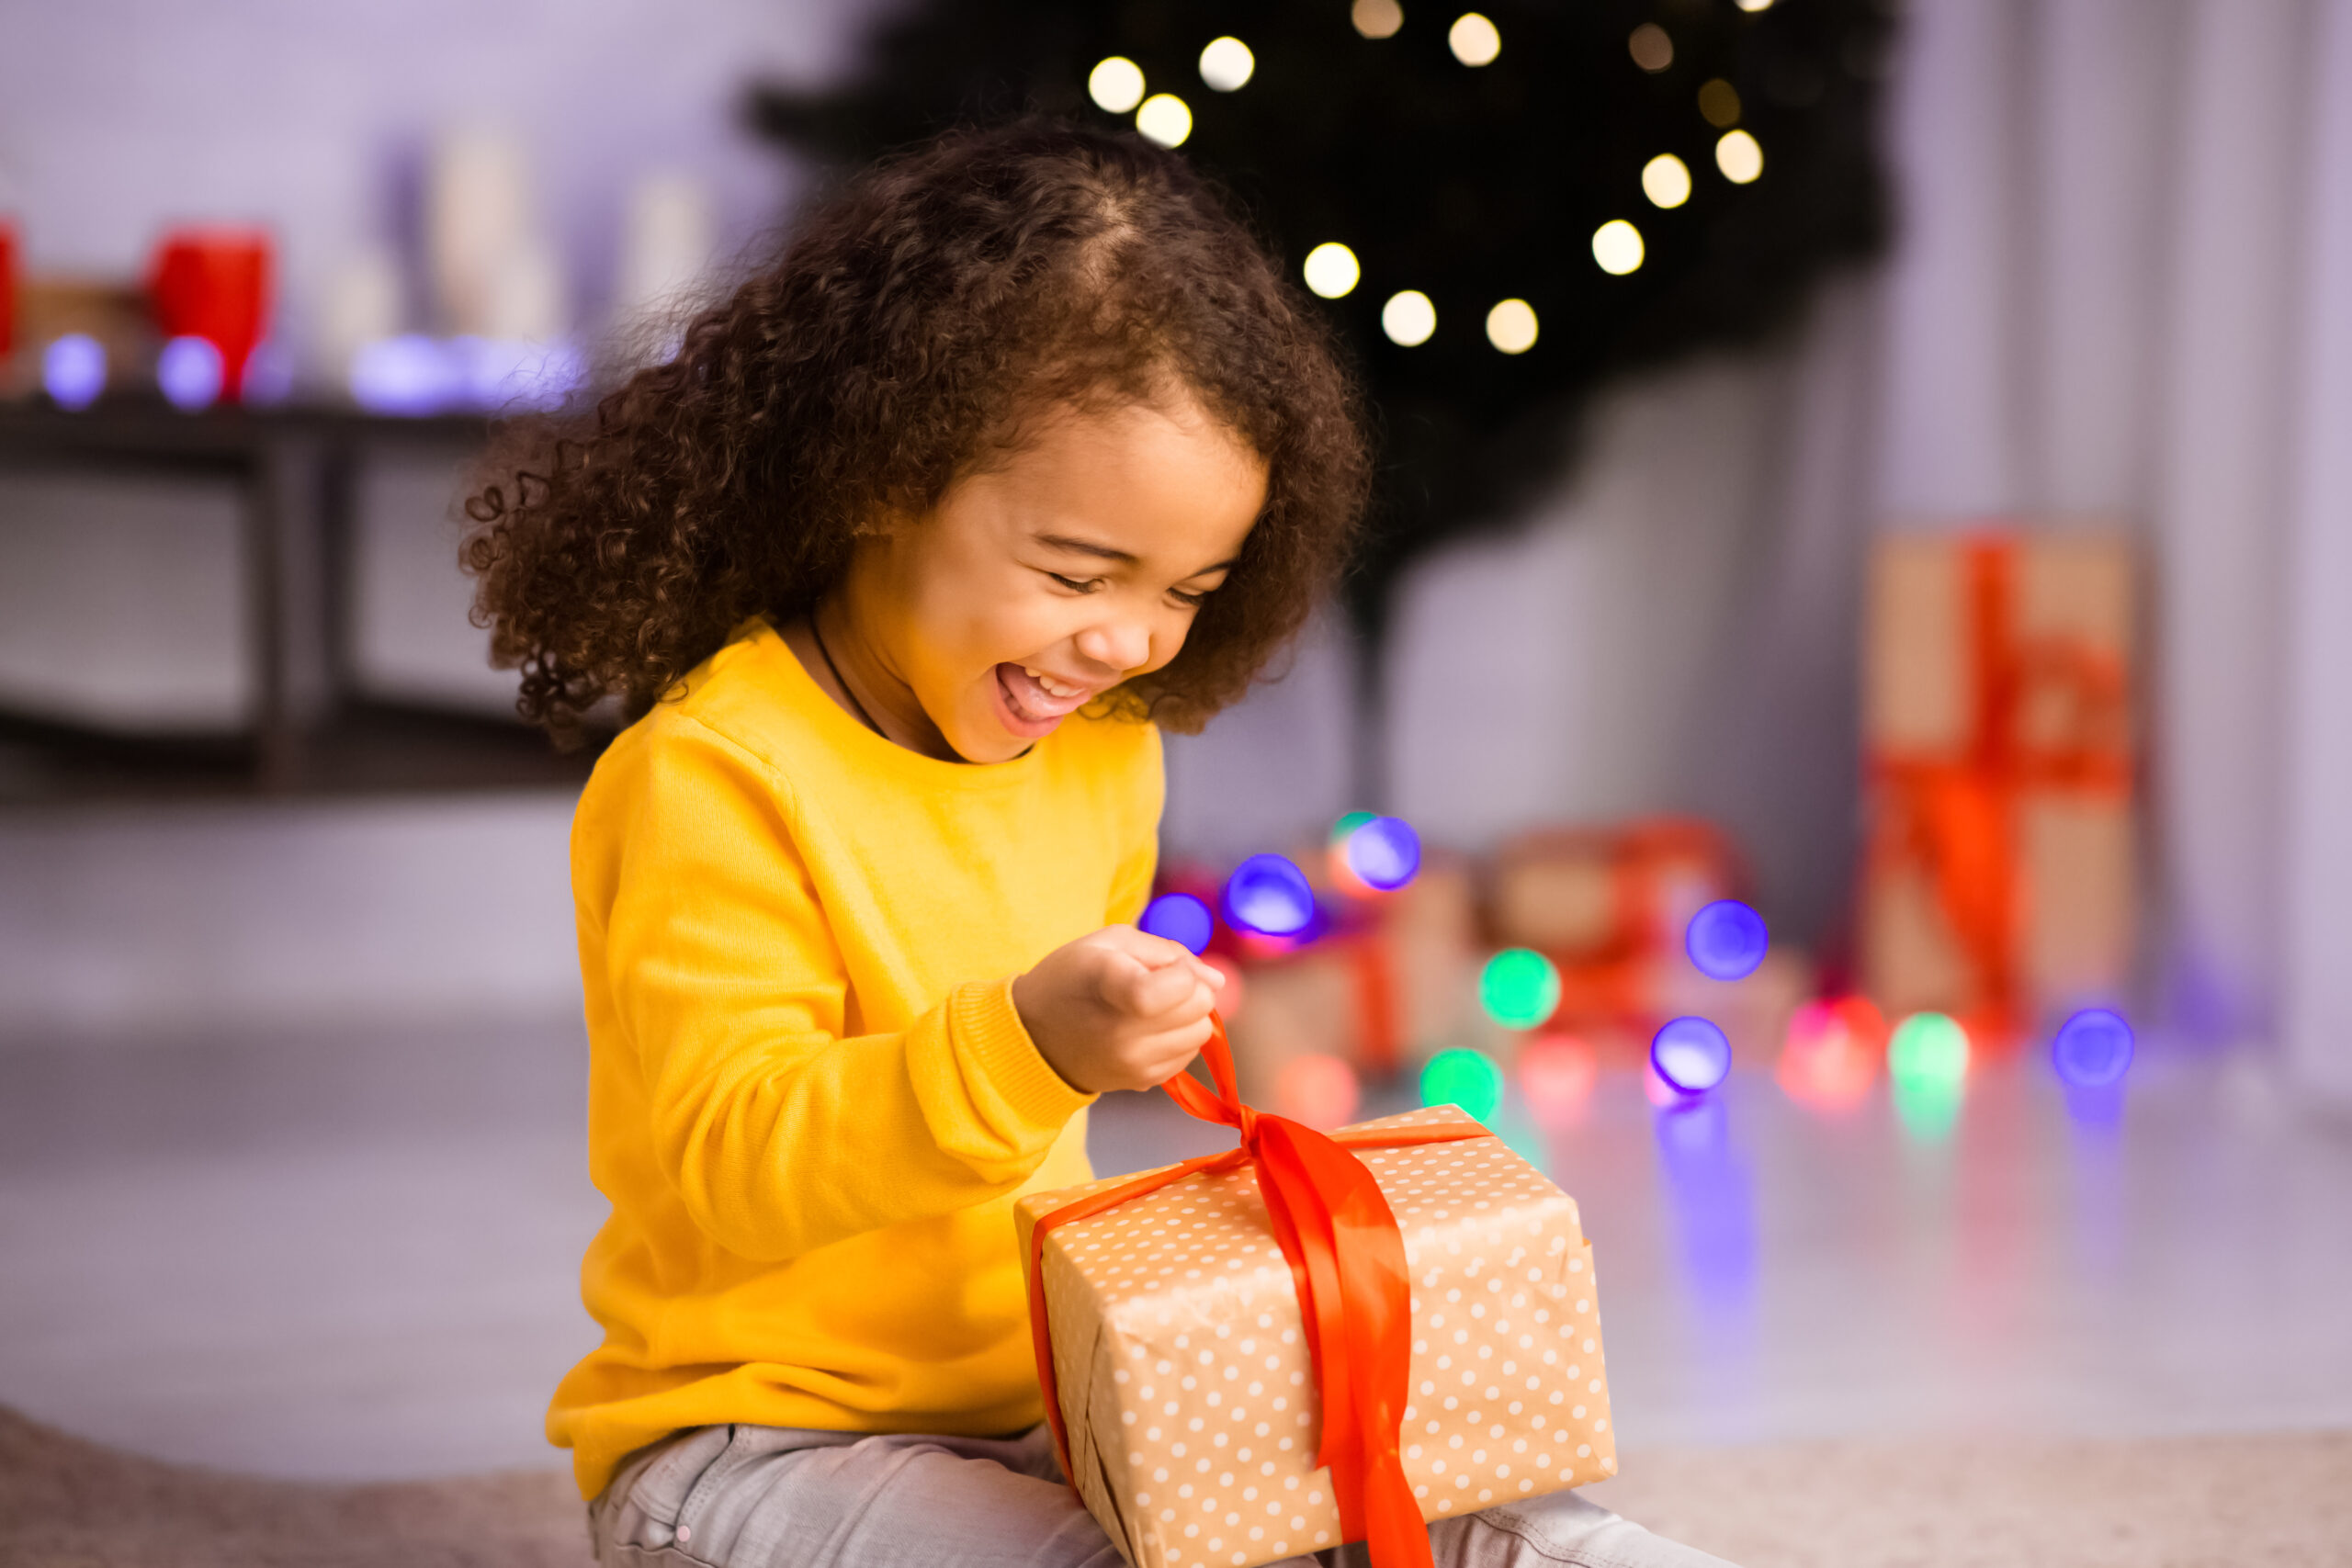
(779, 1132)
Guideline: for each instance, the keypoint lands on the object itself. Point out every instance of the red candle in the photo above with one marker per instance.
(214, 284)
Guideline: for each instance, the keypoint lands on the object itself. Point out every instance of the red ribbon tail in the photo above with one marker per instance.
(1394, 1535)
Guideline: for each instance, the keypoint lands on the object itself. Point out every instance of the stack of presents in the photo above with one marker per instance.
(1995, 886)
(1240, 1365)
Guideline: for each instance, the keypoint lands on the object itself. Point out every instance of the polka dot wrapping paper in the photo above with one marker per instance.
(1185, 1374)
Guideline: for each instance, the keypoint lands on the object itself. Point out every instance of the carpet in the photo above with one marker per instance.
(2243, 1501)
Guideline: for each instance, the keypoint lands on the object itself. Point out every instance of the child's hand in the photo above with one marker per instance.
(1117, 1008)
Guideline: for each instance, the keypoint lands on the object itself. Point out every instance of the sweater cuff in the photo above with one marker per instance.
(998, 1043)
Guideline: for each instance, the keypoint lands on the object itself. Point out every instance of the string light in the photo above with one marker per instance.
(1691, 1054)
(1164, 118)
(1511, 326)
(1719, 102)
(1180, 918)
(1617, 246)
(1752, 6)
(1829, 1057)
(1319, 1090)
(1331, 270)
(1115, 84)
(1465, 1077)
(1727, 939)
(1384, 853)
(1927, 1063)
(1651, 49)
(2093, 1049)
(189, 370)
(1518, 987)
(1666, 180)
(1473, 39)
(73, 370)
(1376, 18)
(1740, 157)
(1226, 64)
(1267, 895)
(1409, 318)
(1556, 1073)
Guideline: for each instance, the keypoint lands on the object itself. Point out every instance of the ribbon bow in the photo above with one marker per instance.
(1347, 1257)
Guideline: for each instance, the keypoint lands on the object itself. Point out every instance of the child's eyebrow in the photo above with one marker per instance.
(1111, 552)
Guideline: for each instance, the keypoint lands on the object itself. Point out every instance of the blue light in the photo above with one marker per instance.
(1180, 918)
(1267, 895)
(1691, 1055)
(1727, 939)
(189, 372)
(411, 375)
(73, 370)
(2093, 1049)
(1386, 852)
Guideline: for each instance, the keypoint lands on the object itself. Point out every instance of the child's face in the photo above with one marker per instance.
(1074, 564)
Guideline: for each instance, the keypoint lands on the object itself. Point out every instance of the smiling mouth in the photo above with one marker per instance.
(1033, 698)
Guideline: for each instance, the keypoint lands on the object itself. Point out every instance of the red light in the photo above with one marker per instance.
(1556, 1074)
(1317, 1090)
(1830, 1056)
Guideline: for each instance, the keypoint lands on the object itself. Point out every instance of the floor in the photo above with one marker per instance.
(354, 1256)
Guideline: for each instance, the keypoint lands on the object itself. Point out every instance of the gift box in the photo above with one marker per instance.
(1208, 1417)
(1998, 881)
(1610, 907)
(1379, 994)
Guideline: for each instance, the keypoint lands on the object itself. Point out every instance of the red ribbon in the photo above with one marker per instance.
(1954, 813)
(1347, 1257)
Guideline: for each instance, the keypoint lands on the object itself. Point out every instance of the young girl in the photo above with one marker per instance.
(1023, 448)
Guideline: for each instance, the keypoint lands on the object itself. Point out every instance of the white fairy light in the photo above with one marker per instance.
(1473, 39)
(1409, 318)
(1617, 246)
(1666, 180)
(1511, 326)
(1115, 84)
(1164, 118)
(1740, 157)
(1226, 64)
(1331, 270)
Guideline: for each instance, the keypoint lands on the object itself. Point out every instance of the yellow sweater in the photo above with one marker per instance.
(810, 1100)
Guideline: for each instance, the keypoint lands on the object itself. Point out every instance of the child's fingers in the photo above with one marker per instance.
(1152, 952)
(1169, 997)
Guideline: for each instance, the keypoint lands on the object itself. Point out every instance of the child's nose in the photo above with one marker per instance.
(1120, 644)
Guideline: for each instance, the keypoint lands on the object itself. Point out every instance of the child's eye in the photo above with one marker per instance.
(1076, 585)
(1190, 601)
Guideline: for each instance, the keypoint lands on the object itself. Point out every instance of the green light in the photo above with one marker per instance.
(1463, 1078)
(1518, 987)
(1926, 1064)
(1349, 824)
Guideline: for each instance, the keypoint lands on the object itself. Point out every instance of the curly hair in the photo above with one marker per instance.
(918, 321)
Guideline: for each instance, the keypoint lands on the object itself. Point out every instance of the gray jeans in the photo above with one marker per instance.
(788, 1498)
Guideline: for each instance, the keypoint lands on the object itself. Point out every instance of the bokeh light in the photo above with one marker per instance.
(1226, 64)
(1331, 270)
(1651, 49)
(189, 371)
(1617, 246)
(1164, 119)
(1829, 1057)
(1727, 939)
(1473, 39)
(1384, 853)
(1376, 18)
(1115, 84)
(1556, 1073)
(1348, 823)
(1180, 918)
(73, 370)
(1267, 895)
(1740, 156)
(1511, 326)
(1755, 5)
(1409, 318)
(1518, 987)
(1691, 1054)
(1927, 1065)
(1465, 1077)
(1319, 1090)
(1719, 102)
(2093, 1049)
(1666, 180)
